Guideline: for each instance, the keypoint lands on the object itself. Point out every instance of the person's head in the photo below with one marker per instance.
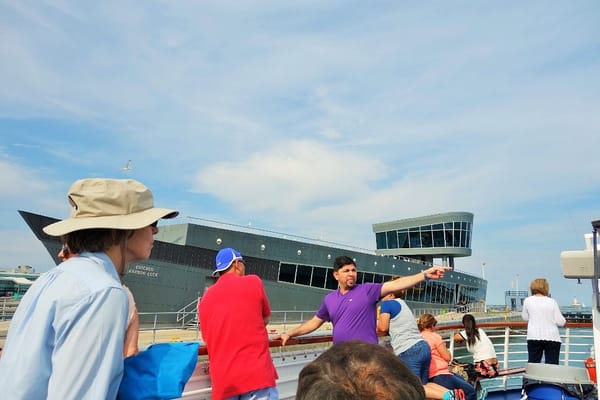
(471, 329)
(108, 214)
(64, 253)
(426, 322)
(344, 271)
(539, 286)
(357, 370)
(469, 320)
(398, 294)
(229, 260)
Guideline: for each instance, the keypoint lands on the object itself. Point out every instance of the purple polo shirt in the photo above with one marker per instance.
(354, 314)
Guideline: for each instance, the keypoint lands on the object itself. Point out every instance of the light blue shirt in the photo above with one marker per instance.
(65, 340)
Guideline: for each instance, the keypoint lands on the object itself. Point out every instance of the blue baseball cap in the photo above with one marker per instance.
(225, 257)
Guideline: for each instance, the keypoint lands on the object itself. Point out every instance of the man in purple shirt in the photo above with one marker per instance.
(352, 308)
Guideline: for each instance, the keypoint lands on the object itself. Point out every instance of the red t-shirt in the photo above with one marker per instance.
(231, 314)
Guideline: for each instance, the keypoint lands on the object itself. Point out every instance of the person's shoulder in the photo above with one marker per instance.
(331, 296)
(387, 303)
(369, 286)
(252, 278)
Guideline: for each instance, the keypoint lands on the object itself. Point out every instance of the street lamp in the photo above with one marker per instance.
(483, 277)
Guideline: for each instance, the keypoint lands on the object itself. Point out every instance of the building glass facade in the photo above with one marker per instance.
(444, 235)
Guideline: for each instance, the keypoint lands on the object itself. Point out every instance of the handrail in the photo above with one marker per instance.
(447, 331)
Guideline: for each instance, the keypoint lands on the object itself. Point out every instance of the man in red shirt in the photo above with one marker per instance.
(233, 315)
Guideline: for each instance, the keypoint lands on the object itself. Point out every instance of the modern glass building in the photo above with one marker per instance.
(440, 236)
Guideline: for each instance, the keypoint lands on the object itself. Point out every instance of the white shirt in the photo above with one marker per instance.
(483, 349)
(65, 340)
(543, 317)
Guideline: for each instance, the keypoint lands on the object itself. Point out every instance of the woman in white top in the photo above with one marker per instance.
(543, 318)
(482, 348)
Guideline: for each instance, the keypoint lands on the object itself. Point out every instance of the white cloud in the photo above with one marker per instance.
(316, 118)
(17, 182)
(291, 176)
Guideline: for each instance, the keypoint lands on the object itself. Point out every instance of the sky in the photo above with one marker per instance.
(314, 118)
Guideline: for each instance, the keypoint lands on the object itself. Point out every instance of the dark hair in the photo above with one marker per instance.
(341, 261)
(357, 370)
(94, 240)
(470, 329)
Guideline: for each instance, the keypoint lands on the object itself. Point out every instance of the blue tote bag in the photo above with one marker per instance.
(160, 372)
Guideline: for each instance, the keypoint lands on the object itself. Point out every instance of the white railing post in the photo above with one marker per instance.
(506, 343)
(567, 345)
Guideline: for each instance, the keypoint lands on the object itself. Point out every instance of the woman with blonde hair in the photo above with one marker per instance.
(543, 317)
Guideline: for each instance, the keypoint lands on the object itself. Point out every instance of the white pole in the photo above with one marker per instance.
(482, 270)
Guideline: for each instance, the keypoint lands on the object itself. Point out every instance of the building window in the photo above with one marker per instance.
(380, 238)
(403, 239)
(303, 275)
(392, 240)
(415, 238)
(287, 273)
(318, 278)
(426, 239)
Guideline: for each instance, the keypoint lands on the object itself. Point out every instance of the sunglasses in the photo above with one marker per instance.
(154, 224)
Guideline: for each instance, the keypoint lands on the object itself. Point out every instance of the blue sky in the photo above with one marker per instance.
(314, 118)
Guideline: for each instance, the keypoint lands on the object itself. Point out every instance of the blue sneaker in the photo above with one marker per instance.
(455, 394)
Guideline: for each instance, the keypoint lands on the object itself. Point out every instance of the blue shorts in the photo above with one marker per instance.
(269, 393)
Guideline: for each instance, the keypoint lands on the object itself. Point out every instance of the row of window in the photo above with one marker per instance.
(448, 234)
(430, 292)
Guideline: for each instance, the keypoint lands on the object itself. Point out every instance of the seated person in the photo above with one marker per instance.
(484, 355)
(440, 357)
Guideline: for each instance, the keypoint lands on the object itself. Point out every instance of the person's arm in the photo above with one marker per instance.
(411, 280)
(559, 318)
(309, 326)
(131, 347)
(383, 322)
(458, 337)
(444, 352)
(524, 312)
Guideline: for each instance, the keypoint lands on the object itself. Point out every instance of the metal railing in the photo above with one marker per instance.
(8, 306)
(187, 319)
(510, 343)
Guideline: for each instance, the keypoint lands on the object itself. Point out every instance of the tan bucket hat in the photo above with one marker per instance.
(110, 204)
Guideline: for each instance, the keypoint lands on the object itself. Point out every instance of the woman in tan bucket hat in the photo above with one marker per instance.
(65, 340)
